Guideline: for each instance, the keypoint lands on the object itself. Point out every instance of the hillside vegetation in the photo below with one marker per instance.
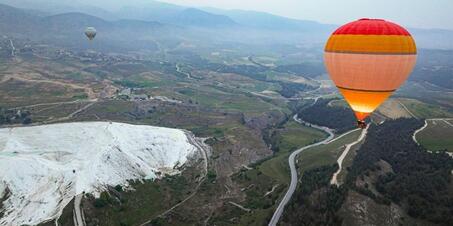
(396, 181)
(419, 181)
(335, 117)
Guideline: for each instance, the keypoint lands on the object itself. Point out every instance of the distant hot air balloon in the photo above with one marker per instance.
(90, 32)
(368, 60)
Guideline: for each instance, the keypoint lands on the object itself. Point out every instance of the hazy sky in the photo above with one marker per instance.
(414, 13)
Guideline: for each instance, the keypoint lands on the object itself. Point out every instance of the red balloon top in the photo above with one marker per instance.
(371, 27)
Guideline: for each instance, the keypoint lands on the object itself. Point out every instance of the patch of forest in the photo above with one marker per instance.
(420, 182)
(14, 117)
(335, 117)
(315, 201)
(291, 89)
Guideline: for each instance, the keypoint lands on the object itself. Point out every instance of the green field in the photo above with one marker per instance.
(427, 93)
(18, 93)
(266, 175)
(294, 136)
(438, 135)
(324, 154)
(147, 200)
(275, 172)
(424, 110)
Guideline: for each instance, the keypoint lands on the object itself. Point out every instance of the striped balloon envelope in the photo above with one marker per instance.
(368, 60)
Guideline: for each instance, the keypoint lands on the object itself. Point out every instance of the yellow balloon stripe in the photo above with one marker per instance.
(364, 101)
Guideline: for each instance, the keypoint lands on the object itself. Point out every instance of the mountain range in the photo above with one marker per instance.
(150, 21)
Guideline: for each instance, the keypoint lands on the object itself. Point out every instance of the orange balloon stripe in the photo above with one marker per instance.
(376, 44)
(364, 101)
(369, 72)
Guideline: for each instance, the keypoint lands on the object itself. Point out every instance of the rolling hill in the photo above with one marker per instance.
(152, 20)
(196, 17)
(260, 20)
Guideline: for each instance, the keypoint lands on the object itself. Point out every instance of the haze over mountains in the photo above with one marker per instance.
(241, 91)
(142, 24)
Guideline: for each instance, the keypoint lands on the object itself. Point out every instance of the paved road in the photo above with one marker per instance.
(292, 165)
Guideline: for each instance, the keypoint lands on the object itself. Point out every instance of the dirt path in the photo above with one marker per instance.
(340, 160)
(407, 109)
(445, 120)
(51, 104)
(414, 136)
(272, 190)
(240, 207)
(70, 116)
(6, 78)
(250, 58)
(78, 212)
(13, 48)
(178, 69)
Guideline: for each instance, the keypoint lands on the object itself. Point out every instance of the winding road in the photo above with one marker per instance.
(292, 165)
(445, 120)
(178, 69)
(414, 136)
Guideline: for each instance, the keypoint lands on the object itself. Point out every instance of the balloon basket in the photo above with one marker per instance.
(361, 124)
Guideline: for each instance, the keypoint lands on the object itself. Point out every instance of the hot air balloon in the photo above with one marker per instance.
(368, 60)
(90, 32)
